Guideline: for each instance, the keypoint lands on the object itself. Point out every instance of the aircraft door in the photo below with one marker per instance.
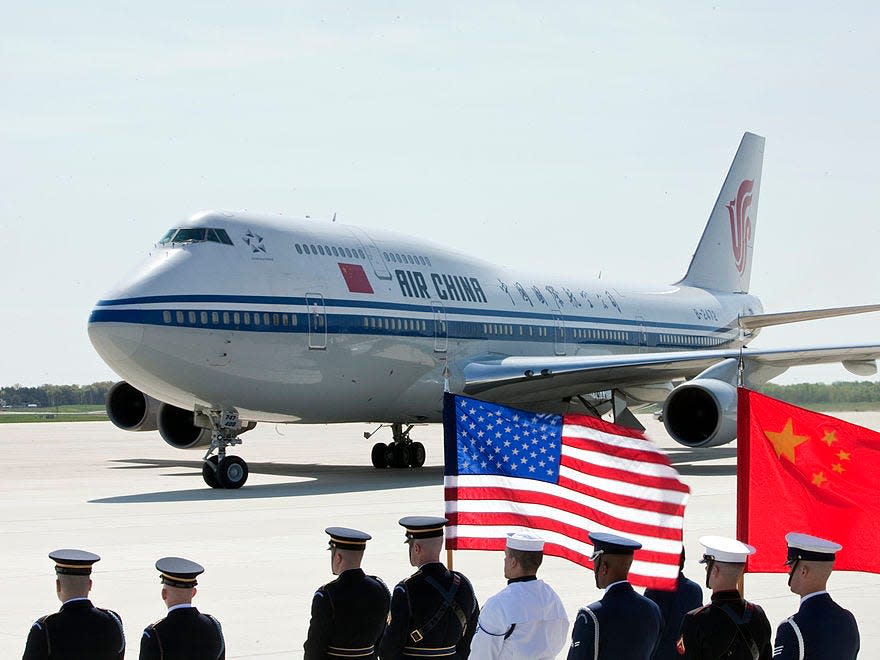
(372, 252)
(441, 336)
(317, 321)
(642, 333)
(558, 334)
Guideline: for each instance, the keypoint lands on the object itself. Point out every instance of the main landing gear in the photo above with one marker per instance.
(401, 453)
(220, 470)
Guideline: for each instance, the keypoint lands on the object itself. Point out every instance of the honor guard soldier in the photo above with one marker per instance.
(729, 626)
(79, 629)
(185, 633)
(673, 605)
(527, 618)
(821, 629)
(434, 611)
(348, 614)
(624, 624)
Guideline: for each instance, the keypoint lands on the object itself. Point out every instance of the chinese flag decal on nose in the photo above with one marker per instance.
(355, 278)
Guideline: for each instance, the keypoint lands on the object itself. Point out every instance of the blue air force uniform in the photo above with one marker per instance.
(79, 629)
(624, 625)
(434, 612)
(821, 629)
(673, 606)
(185, 633)
(348, 614)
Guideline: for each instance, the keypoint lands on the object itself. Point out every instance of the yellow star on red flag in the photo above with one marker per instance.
(830, 438)
(785, 441)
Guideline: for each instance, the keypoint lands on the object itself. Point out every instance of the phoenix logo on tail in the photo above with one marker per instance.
(740, 223)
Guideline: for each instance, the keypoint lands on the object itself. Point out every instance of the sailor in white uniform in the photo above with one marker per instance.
(525, 620)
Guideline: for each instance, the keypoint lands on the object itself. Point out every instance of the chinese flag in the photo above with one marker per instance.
(800, 471)
(355, 278)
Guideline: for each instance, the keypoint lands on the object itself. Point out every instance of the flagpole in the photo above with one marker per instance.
(449, 559)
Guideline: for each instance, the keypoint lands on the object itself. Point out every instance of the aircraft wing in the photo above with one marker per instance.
(527, 378)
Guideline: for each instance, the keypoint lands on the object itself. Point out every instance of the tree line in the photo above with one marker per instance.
(48, 396)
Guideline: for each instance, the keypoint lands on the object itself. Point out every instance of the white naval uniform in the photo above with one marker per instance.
(541, 629)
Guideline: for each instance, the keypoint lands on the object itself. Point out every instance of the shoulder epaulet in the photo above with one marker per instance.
(39, 622)
(380, 581)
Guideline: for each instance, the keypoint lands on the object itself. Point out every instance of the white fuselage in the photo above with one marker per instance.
(322, 322)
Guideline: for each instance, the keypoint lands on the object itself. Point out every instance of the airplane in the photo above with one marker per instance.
(239, 318)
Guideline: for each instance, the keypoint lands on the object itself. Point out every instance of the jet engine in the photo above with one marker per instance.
(130, 409)
(701, 413)
(178, 428)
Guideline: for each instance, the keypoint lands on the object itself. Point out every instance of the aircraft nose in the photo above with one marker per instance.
(115, 342)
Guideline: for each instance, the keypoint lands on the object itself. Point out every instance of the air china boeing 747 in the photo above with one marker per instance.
(238, 318)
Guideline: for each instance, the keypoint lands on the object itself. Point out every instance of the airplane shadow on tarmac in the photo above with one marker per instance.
(311, 479)
(315, 479)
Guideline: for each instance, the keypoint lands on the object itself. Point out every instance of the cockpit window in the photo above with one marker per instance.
(195, 235)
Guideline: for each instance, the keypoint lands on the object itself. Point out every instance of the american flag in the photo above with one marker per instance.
(561, 477)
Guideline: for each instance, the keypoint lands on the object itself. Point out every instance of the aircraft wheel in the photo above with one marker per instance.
(379, 455)
(209, 472)
(401, 455)
(416, 455)
(232, 472)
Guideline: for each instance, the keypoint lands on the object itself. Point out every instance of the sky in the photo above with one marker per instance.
(575, 137)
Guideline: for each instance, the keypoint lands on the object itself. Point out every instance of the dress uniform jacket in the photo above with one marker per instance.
(820, 630)
(524, 621)
(728, 627)
(348, 617)
(184, 634)
(673, 606)
(433, 614)
(79, 630)
(624, 625)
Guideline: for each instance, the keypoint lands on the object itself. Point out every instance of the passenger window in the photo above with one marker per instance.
(276, 320)
(335, 251)
(256, 319)
(348, 253)
(166, 316)
(266, 318)
(385, 254)
(327, 250)
(298, 248)
(361, 252)
(226, 318)
(192, 318)
(215, 318)
(203, 317)
(247, 318)
(314, 250)
(284, 320)
(179, 316)
(321, 250)
(236, 317)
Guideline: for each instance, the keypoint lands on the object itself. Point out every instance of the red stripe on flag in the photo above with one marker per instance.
(614, 450)
(604, 427)
(614, 474)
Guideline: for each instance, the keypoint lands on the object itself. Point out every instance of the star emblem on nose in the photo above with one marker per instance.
(255, 242)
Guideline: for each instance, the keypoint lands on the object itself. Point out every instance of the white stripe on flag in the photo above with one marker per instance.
(638, 468)
(626, 488)
(589, 433)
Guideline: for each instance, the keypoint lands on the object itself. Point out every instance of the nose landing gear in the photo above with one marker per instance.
(401, 453)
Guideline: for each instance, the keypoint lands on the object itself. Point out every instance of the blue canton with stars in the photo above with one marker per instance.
(496, 440)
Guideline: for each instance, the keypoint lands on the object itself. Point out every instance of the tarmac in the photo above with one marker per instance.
(132, 499)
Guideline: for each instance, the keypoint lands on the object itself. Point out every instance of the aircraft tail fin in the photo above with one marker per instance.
(723, 260)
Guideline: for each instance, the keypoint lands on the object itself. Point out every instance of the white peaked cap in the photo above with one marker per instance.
(525, 542)
(812, 545)
(721, 548)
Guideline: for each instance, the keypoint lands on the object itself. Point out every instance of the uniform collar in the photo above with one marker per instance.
(614, 584)
(727, 595)
(351, 574)
(815, 593)
(182, 606)
(73, 602)
(524, 578)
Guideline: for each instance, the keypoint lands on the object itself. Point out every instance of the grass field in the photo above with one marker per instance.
(77, 413)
